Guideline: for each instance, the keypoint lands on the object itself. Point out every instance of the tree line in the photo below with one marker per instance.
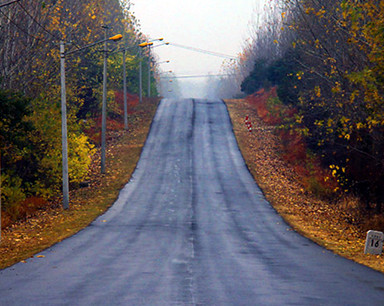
(327, 60)
(30, 128)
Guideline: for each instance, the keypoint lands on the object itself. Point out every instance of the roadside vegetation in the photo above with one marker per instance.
(30, 116)
(46, 223)
(279, 164)
(324, 62)
(312, 74)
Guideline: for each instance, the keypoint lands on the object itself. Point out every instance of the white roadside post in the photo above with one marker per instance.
(374, 243)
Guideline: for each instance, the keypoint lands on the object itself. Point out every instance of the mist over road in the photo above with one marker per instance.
(190, 228)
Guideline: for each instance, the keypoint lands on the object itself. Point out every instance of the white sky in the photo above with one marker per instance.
(215, 25)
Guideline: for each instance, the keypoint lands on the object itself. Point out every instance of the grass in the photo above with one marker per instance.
(53, 224)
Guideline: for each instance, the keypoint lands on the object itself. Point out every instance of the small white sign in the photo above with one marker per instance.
(374, 243)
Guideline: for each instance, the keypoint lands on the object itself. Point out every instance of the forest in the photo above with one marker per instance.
(30, 117)
(326, 60)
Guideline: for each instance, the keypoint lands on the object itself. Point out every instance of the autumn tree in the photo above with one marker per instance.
(326, 58)
(30, 131)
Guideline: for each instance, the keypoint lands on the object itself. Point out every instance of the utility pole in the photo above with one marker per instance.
(149, 70)
(104, 105)
(64, 135)
(125, 92)
(140, 78)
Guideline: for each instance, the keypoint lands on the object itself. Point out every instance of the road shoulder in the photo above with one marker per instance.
(313, 218)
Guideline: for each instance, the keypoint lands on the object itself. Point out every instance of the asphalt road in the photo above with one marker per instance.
(190, 228)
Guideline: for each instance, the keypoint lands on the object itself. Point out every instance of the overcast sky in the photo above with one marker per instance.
(214, 25)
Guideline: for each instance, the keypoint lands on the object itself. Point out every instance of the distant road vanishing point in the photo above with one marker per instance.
(190, 228)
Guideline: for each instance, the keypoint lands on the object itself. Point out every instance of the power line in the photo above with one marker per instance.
(38, 23)
(203, 51)
(21, 29)
(8, 3)
(194, 76)
(42, 27)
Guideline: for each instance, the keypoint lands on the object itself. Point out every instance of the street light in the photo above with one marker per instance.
(140, 78)
(125, 91)
(142, 45)
(163, 44)
(104, 105)
(149, 44)
(64, 133)
(124, 50)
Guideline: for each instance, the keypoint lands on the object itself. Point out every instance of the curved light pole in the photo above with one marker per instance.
(64, 133)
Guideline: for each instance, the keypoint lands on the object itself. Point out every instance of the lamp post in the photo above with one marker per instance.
(149, 71)
(64, 133)
(140, 78)
(124, 50)
(149, 44)
(125, 91)
(104, 105)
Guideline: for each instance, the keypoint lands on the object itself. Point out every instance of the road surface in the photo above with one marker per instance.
(190, 228)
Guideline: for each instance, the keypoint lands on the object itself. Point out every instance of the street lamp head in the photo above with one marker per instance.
(116, 37)
(145, 44)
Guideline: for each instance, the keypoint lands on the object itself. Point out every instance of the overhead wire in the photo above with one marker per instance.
(38, 23)
(203, 51)
(193, 76)
(44, 28)
(41, 26)
(20, 28)
(7, 3)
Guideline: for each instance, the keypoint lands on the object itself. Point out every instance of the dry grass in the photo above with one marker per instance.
(336, 226)
(51, 225)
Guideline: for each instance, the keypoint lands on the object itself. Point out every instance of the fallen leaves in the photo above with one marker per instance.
(52, 224)
(327, 224)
